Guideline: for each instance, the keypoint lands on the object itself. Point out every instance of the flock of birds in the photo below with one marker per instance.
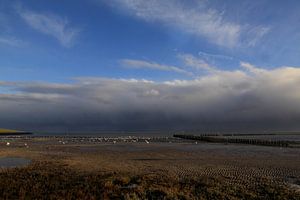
(63, 140)
(115, 140)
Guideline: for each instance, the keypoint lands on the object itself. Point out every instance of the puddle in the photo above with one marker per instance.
(8, 162)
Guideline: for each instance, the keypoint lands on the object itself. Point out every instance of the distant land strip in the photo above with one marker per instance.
(13, 132)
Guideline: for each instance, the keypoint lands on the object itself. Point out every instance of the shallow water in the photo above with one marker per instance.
(294, 138)
(8, 162)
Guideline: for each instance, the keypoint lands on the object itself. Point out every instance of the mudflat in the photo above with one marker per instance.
(147, 168)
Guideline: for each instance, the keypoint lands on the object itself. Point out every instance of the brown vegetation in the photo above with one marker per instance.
(46, 180)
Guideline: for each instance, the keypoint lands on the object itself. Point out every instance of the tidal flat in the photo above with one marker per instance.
(77, 167)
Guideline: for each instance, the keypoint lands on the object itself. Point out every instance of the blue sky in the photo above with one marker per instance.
(97, 35)
(195, 63)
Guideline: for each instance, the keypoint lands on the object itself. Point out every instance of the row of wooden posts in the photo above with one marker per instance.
(219, 139)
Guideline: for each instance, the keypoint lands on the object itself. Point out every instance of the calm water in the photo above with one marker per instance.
(8, 162)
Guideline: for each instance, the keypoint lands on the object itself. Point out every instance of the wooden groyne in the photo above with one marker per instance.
(215, 139)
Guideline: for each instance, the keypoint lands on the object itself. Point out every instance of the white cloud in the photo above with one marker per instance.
(196, 63)
(255, 34)
(50, 24)
(140, 64)
(198, 20)
(251, 68)
(215, 56)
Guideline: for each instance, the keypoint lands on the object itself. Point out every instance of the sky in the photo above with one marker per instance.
(150, 65)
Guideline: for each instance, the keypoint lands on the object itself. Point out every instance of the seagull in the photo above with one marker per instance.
(147, 141)
(7, 143)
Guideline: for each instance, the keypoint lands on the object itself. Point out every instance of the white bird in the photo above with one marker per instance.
(114, 142)
(7, 143)
(147, 141)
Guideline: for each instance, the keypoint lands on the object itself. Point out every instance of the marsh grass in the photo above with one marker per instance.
(50, 180)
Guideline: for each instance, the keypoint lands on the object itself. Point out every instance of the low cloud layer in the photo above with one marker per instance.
(247, 99)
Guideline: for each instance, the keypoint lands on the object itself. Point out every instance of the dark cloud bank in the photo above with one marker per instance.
(246, 99)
